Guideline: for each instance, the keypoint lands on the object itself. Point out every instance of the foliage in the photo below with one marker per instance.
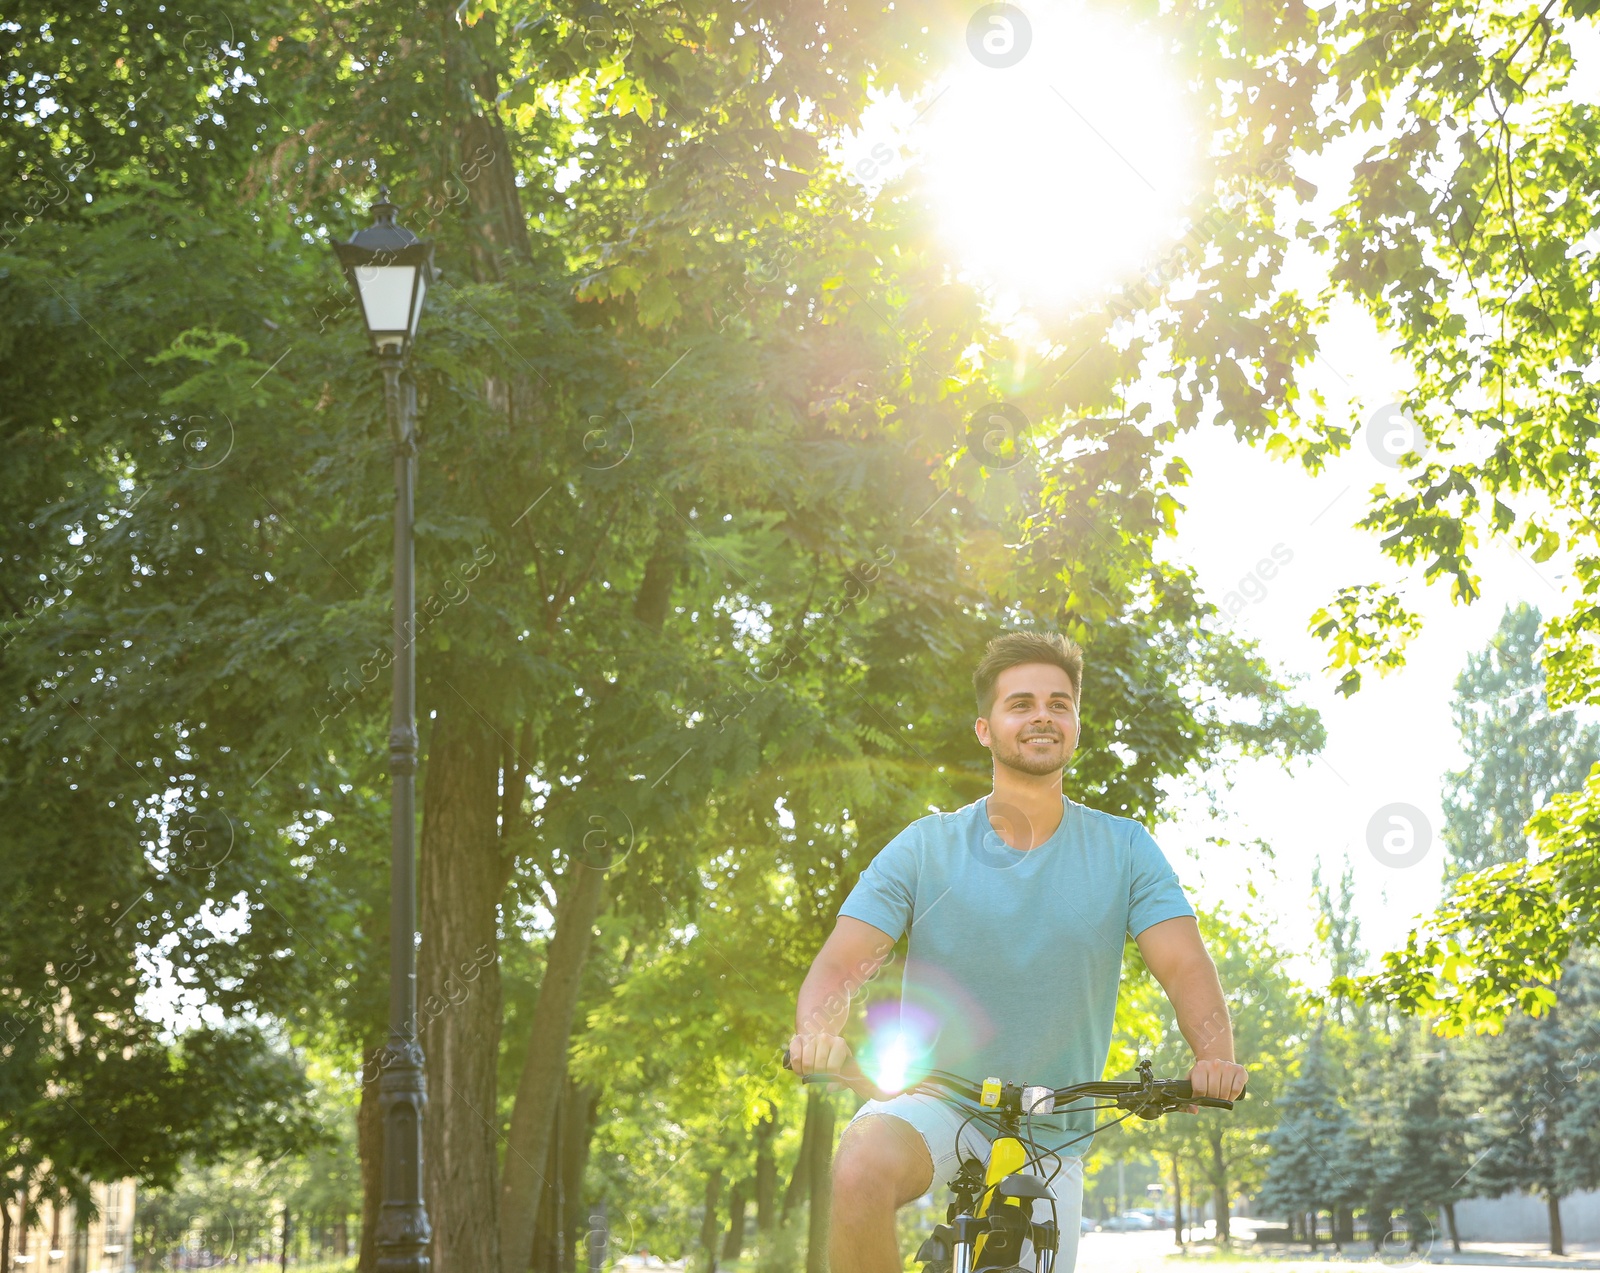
(1520, 753)
(1227, 1150)
(651, 257)
(235, 1207)
(1426, 1124)
(1501, 935)
(1534, 1078)
(1466, 234)
(1316, 1154)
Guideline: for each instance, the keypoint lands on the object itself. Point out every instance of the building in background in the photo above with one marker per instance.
(66, 1241)
(1516, 1217)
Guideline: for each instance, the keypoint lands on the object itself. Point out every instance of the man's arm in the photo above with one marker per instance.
(1177, 957)
(849, 958)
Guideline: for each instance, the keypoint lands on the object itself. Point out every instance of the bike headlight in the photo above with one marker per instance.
(1038, 1100)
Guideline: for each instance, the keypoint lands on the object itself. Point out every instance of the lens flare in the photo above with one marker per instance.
(899, 1041)
(892, 1063)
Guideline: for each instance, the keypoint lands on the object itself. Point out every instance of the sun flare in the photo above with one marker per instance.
(1053, 176)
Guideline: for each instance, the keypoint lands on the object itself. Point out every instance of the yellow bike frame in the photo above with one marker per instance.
(1006, 1157)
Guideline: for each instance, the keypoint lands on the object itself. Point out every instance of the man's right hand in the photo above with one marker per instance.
(821, 1054)
(829, 1054)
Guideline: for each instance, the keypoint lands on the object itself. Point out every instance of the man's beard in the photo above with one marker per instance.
(1037, 765)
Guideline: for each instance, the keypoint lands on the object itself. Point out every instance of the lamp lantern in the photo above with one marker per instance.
(389, 269)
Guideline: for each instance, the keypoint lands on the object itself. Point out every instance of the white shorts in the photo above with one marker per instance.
(951, 1140)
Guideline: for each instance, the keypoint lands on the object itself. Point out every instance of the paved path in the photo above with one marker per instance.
(1154, 1252)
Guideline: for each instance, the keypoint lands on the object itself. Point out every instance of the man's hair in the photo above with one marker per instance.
(1012, 649)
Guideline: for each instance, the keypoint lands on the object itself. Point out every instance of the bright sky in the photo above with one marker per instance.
(1390, 743)
(1058, 169)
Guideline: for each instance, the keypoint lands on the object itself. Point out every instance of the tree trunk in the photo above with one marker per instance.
(480, 157)
(369, 1145)
(1342, 1226)
(1450, 1220)
(458, 1014)
(1380, 1220)
(1177, 1203)
(544, 1070)
(800, 1179)
(283, 1242)
(545, 1251)
(578, 1107)
(1552, 1202)
(821, 1187)
(733, 1245)
(766, 1176)
(5, 1235)
(598, 1247)
(562, 1218)
(1311, 1229)
(1219, 1187)
(709, 1229)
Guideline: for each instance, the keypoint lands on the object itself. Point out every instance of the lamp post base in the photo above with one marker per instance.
(403, 1229)
(403, 1237)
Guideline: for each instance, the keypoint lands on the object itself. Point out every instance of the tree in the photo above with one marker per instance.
(791, 381)
(1316, 1157)
(1431, 1141)
(1229, 1150)
(1529, 1090)
(1338, 928)
(1526, 774)
(1519, 752)
(136, 835)
(1440, 243)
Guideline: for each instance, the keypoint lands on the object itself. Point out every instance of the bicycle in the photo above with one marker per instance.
(981, 1237)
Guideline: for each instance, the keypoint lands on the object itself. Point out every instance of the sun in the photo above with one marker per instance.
(1057, 151)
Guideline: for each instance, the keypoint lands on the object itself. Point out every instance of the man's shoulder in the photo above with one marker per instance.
(944, 822)
(1121, 831)
(938, 827)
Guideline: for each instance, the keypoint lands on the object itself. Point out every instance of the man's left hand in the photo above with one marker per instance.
(1221, 1079)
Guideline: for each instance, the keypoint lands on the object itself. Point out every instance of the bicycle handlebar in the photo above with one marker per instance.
(1154, 1092)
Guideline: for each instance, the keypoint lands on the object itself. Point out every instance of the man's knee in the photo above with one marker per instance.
(882, 1162)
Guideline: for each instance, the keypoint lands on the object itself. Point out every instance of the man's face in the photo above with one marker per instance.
(1033, 725)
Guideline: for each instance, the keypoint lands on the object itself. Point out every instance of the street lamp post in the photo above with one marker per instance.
(389, 269)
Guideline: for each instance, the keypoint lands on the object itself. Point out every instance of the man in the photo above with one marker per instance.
(1017, 906)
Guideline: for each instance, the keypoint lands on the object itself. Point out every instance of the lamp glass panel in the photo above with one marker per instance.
(386, 296)
(416, 309)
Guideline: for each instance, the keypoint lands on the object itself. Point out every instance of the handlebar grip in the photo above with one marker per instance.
(1184, 1090)
(788, 1064)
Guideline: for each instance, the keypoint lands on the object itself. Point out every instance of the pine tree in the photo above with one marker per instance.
(1534, 1129)
(1316, 1148)
(1377, 1094)
(1519, 752)
(1579, 1131)
(1432, 1130)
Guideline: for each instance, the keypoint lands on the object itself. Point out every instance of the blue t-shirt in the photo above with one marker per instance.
(1015, 955)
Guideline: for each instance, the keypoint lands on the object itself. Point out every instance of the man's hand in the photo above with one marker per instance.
(829, 1054)
(821, 1054)
(1178, 959)
(1221, 1079)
